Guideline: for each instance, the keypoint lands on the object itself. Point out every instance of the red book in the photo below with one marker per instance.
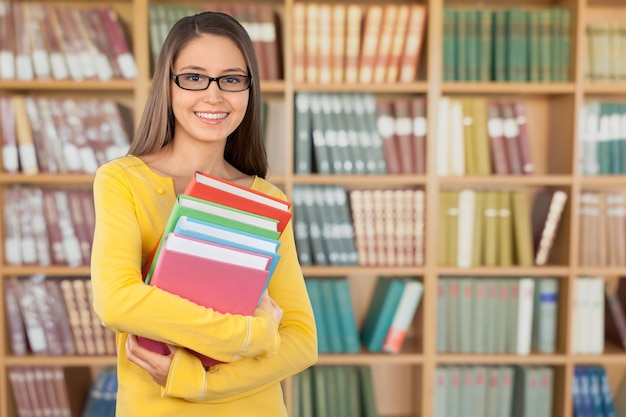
(228, 280)
(418, 111)
(403, 129)
(495, 130)
(217, 190)
(511, 138)
(119, 45)
(519, 111)
(615, 322)
(385, 121)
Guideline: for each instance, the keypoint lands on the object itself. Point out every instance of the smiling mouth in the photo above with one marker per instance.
(211, 116)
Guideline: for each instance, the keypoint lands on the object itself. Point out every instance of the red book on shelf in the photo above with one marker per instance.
(409, 62)
(121, 50)
(495, 130)
(511, 138)
(418, 111)
(217, 190)
(519, 112)
(615, 322)
(226, 279)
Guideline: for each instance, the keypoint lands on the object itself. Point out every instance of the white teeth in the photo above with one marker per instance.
(212, 116)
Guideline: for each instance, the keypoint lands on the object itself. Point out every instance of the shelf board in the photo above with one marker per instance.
(603, 181)
(339, 270)
(53, 85)
(501, 88)
(370, 359)
(492, 359)
(513, 270)
(415, 87)
(47, 179)
(605, 89)
(359, 180)
(56, 360)
(508, 180)
(25, 270)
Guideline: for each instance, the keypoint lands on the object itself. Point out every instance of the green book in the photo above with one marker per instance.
(485, 45)
(461, 73)
(320, 391)
(534, 62)
(472, 43)
(368, 397)
(450, 43)
(305, 394)
(565, 44)
(212, 213)
(499, 45)
(303, 143)
(387, 294)
(545, 45)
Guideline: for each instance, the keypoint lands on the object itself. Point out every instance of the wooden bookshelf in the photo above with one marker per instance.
(404, 382)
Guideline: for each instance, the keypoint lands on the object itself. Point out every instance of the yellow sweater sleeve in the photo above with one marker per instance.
(297, 350)
(132, 204)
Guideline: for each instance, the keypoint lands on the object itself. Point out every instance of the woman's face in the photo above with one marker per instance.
(208, 115)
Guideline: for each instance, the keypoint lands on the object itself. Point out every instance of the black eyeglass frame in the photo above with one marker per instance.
(211, 79)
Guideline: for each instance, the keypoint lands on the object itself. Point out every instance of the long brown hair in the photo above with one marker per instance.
(245, 148)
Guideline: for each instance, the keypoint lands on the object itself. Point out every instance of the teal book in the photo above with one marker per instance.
(383, 304)
(314, 288)
(321, 391)
(345, 315)
(332, 322)
(213, 213)
(461, 73)
(533, 46)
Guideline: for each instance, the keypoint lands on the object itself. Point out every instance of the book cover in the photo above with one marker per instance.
(385, 299)
(236, 280)
(545, 219)
(372, 27)
(403, 316)
(409, 63)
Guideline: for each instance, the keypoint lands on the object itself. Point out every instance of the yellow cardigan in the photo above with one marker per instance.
(132, 205)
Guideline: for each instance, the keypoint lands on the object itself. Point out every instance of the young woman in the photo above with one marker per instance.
(202, 114)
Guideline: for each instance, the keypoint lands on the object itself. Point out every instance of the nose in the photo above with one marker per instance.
(213, 92)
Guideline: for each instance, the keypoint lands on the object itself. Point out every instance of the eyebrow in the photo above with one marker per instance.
(197, 68)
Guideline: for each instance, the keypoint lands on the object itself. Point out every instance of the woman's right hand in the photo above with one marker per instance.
(268, 303)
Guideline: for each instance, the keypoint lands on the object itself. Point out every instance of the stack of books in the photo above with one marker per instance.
(219, 248)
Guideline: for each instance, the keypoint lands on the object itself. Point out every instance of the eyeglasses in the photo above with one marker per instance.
(197, 82)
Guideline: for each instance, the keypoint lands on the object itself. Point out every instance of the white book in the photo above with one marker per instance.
(456, 148)
(215, 252)
(545, 317)
(443, 136)
(465, 239)
(525, 315)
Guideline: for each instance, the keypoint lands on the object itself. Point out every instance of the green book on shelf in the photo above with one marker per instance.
(335, 337)
(368, 397)
(314, 288)
(461, 73)
(383, 303)
(499, 45)
(345, 314)
(450, 43)
(472, 43)
(485, 45)
(534, 49)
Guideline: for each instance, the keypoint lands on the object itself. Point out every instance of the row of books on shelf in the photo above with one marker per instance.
(499, 315)
(368, 227)
(48, 226)
(605, 49)
(259, 19)
(483, 136)
(350, 43)
(602, 138)
(54, 317)
(56, 391)
(359, 133)
(334, 391)
(506, 44)
(42, 134)
(391, 310)
(228, 229)
(56, 42)
(592, 395)
(494, 391)
(602, 236)
(498, 227)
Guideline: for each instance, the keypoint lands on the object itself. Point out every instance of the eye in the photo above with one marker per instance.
(233, 79)
(194, 78)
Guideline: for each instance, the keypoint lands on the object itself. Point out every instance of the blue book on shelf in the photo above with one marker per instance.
(335, 342)
(383, 304)
(345, 315)
(314, 288)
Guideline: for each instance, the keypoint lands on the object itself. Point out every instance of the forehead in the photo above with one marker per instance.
(210, 52)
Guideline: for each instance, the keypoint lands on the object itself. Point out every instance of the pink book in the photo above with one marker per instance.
(228, 280)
